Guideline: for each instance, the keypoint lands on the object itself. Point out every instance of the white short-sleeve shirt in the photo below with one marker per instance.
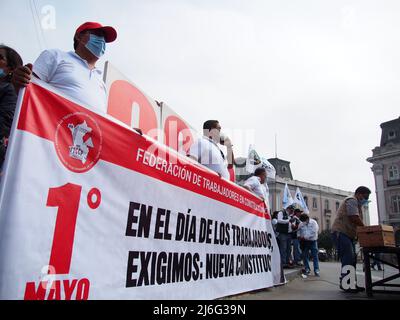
(256, 187)
(206, 152)
(71, 76)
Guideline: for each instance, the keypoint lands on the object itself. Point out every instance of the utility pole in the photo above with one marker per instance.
(277, 206)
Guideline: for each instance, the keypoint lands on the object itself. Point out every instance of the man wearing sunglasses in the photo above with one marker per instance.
(206, 151)
(74, 73)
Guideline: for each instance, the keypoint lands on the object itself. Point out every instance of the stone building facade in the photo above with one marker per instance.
(386, 168)
(322, 201)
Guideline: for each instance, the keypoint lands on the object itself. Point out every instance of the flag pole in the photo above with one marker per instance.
(276, 185)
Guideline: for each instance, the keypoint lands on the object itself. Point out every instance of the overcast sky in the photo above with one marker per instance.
(322, 75)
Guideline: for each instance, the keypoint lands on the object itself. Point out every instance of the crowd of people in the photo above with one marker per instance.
(296, 232)
(297, 237)
(75, 74)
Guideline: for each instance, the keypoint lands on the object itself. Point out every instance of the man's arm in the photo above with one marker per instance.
(21, 77)
(300, 231)
(230, 156)
(247, 188)
(353, 212)
(44, 68)
(192, 157)
(356, 221)
(295, 223)
(249, 184)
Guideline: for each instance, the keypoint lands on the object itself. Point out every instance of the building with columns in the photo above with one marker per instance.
(322, 201)
(386, 168)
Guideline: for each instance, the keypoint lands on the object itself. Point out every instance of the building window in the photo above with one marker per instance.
(337, 205)
(306, 200)
(327, 204)
(314, 203)
(393, 172)
(392, 135)
(396, 204)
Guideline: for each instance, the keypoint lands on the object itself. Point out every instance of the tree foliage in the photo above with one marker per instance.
(325, 241)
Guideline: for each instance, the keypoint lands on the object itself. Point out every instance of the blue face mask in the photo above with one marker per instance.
(364, 202)
(3, 74)
(96, 45)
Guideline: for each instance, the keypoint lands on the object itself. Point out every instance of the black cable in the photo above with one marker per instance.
(40, 26)
(35, 25)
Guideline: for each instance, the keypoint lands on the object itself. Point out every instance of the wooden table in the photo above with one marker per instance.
(369, 285)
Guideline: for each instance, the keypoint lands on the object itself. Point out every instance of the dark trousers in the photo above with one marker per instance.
(346, 249)
(285, 241)
(310, 246)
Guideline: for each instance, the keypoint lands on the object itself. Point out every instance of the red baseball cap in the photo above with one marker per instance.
(110, 32)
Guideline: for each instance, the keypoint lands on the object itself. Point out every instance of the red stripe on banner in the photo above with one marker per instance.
(42, 110)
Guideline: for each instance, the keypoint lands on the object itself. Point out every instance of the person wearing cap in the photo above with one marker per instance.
(295, 241)
(74, 74)
(284, 228)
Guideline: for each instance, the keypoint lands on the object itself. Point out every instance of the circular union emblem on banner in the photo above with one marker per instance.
(78, 142)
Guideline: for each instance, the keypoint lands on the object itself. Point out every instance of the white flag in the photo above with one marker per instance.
(271, 172)
(287, 197)
(299, 199)
(254, 161)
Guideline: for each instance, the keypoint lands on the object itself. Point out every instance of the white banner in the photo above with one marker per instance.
(129, 104)
(178, 134)
(89, 209)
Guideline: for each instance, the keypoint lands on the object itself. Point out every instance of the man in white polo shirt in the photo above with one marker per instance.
(257, 184)
(308, 235)
(74, 73)
(207, 152)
